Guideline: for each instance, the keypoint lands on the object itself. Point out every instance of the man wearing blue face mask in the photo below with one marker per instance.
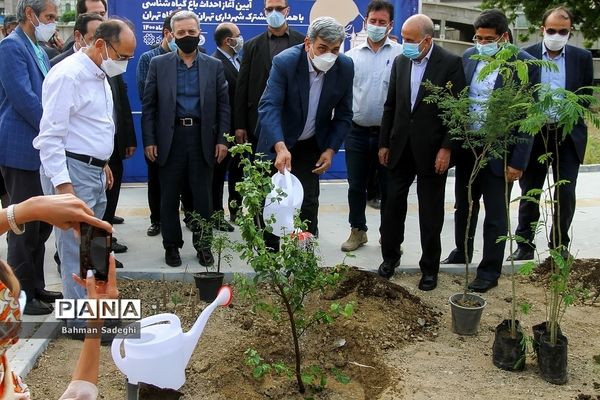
(256, 63)
(23, 66)
(491, 33)
(373, 62)
(77, 131)
(306, 111)
(415, 143)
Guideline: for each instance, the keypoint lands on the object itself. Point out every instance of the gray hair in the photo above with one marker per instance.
(326, 28)
(37, 5)
(181, 15)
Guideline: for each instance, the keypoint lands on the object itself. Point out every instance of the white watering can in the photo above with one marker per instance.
(283, 211)
(162, 352)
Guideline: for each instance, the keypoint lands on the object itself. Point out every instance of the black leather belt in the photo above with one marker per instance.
(373, 130)
(187, 121)
(89, 160)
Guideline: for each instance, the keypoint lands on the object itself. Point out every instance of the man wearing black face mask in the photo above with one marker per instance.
(185, 114)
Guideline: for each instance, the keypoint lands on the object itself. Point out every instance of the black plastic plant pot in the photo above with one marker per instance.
(508, 353)
(208, 284)
(466, 316)
(538, 331)
(552, 359)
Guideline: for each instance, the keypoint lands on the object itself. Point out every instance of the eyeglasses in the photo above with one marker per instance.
(485, 40)
(270, 9)
(561, 32)
(120, 57)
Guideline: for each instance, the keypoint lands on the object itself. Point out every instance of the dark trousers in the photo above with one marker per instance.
(565, 166)
(185, 166)
(236, 174)
(154, 192)
(112, 195)
(491, 188)
(430, 193)
(26, 251)
(305, 155)
(220, 171)
(362, 147)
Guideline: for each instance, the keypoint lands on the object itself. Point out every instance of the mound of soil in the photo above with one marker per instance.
(386, 316)
(585, 273)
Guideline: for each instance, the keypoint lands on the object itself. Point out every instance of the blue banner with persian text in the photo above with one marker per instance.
(148, 16)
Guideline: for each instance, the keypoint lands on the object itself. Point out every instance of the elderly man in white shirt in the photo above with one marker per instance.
(77, 132)
(373, 62)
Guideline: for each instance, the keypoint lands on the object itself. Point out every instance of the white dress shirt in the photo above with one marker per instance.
(371, 80)
(315, 80)
(78, 116)
(417, 71)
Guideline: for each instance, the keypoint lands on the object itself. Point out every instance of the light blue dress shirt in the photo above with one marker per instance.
(480, 91)
(554, 79)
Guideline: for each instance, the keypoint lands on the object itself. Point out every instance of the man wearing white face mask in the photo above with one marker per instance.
(307, 84)
(575, 70)
(23, 66)
(373, 62)
(83, 31)
(77, 132)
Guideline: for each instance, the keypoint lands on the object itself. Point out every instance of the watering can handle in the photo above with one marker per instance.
(155, 319)
(287, 175)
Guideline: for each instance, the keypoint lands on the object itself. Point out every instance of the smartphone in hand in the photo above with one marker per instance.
(94, 251)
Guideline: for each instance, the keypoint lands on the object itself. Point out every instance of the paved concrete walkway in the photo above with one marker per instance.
(145, 258)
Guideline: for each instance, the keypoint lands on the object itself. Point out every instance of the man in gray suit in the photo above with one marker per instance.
(185, 114)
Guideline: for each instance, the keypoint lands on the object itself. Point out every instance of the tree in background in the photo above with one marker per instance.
(587, 12)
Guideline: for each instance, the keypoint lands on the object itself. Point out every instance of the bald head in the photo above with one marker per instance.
(226, 34)
(420, 24)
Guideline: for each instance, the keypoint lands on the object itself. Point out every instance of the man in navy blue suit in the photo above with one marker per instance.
(306, 110)
(491, 32)
(575, 70)
(23, 66)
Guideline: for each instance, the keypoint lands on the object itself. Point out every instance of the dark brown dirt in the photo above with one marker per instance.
(585, 273)
(386, 317)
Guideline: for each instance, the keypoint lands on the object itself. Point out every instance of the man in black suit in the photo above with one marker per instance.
(83, 31)
(99, 7)
(491, 32)
(575, 70)
(254, 71)
(185, 114)
(415, 142)
(229, 43)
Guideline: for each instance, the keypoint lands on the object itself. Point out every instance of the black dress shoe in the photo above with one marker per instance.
(428, 282)
(172, 257)
(205, 257)
(37, 307)
(222, 225)
(521, 254)
(482, 285)
(386, 269)
(118, 264)
(455, 257)
(47, 296)
(153, 230)
(117, 220)
(118, 247)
